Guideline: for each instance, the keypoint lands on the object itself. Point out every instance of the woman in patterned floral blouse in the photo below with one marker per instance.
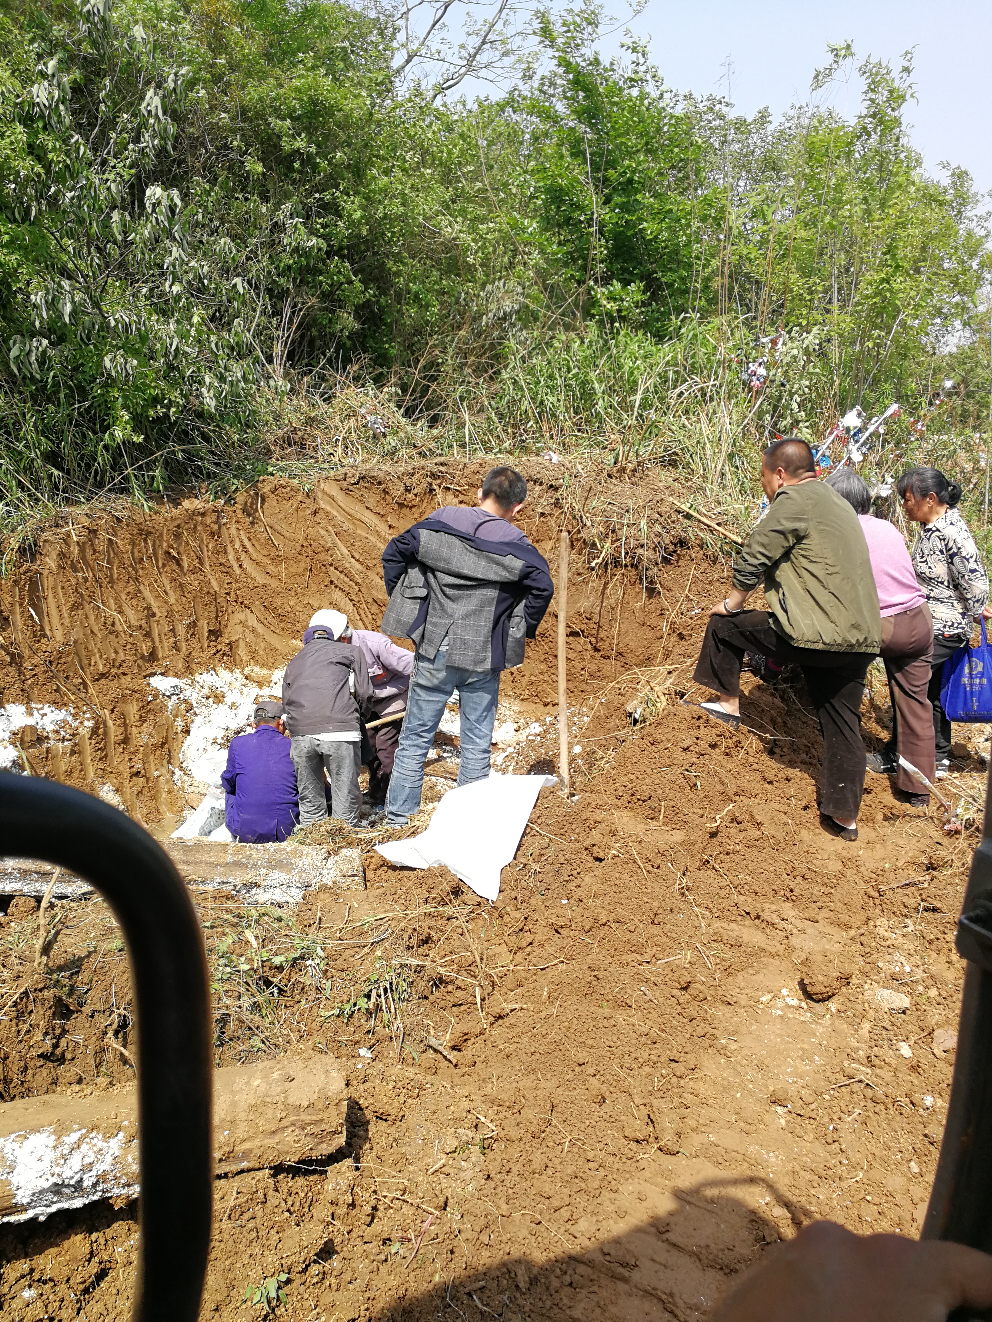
(951, 573)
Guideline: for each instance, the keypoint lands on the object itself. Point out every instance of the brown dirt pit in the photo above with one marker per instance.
(641, 1098)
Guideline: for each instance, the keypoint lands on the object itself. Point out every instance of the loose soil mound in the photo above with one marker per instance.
(661, 1050)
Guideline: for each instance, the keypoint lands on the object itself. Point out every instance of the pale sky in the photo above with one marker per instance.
(774, 49)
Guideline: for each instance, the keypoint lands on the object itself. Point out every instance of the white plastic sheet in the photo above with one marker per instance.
(475, 831)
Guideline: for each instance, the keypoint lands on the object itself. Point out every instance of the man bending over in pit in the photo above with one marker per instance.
(261, 805)
(390, 668)
(812, 555)
(468, 588)
(325, 691)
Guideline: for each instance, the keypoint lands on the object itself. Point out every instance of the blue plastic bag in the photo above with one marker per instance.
(966, 686)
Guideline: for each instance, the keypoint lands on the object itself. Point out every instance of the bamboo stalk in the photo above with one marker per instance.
(701, 518)
(562, 690)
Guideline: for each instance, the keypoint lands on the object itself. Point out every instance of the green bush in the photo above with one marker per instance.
(210, 209)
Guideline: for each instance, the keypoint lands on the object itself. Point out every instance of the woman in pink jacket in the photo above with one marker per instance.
(907, 643)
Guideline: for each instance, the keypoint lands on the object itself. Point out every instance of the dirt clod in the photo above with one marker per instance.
(823, 976)
(945, 1041)
(22, 906)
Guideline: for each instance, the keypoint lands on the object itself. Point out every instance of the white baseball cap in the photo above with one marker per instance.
(334, 621)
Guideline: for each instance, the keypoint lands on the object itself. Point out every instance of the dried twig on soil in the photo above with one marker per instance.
(49, 927)
(701, 518)
(16, 997)
(441, 1050)
(374, 941)
(264, 524)
(672, 612)
(483, 1309)
(900, 885)
(714, 825)
(63, 685)
(113, 1024)
(569, 1138)
(416, 1248)
(450, 1302)
(532, 827)
(477, 949)
(639, 863)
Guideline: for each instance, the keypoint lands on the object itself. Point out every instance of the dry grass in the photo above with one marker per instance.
(321, 974)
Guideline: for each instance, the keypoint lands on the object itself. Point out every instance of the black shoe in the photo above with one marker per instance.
(833, 827)
(714, 710)
(913, 800)
(883, 763)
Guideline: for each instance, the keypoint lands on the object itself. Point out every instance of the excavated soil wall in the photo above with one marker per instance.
(93, 609)
(664, 1048)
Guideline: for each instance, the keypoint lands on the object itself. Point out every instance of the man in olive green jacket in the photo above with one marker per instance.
(812, 555)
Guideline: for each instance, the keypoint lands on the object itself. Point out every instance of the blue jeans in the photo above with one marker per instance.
(431, 685)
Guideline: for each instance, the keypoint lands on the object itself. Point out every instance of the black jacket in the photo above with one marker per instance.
(316, 696)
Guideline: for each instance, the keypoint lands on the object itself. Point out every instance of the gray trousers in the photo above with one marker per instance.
(311, 756)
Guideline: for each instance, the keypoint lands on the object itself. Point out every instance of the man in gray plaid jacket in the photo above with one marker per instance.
(468, 588)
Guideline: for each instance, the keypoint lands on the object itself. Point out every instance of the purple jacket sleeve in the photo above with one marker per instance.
(396, 659)
(229, 775)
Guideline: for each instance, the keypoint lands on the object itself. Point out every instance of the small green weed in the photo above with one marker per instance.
(269, 1294)
(384, 989)
(259, 962)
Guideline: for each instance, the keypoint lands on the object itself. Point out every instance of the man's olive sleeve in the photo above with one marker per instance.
(779, 530)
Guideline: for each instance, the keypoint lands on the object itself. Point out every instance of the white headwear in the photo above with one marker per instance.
(334, 621)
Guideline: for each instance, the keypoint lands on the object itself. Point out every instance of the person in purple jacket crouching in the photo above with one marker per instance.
(260, 781)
